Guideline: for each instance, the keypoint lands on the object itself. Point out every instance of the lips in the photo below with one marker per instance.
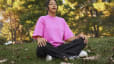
(54, 8)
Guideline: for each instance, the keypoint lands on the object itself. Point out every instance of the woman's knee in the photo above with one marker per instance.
(40, 52)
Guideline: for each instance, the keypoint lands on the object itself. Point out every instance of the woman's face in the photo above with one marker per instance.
(52, 7)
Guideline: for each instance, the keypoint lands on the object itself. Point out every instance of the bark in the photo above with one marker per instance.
(96, 30)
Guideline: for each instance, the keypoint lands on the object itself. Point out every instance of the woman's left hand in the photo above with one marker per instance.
(83, 37)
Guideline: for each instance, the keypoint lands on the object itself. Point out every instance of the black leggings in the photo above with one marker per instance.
(72, 48)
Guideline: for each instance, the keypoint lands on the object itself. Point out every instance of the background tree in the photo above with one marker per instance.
(92, 17)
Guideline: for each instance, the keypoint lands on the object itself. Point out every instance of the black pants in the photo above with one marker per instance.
(72, 48)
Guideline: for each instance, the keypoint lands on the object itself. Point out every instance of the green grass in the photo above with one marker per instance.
(26, 53)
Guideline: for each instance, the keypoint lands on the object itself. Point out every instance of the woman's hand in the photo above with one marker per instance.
(41, 42)
(83, 37)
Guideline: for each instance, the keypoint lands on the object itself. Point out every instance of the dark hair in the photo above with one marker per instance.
(48, 3)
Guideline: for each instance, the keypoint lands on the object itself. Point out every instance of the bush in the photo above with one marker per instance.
(2, 39)
(27, 41)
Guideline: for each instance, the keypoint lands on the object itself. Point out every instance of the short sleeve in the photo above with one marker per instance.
(67, 31)
(39, 28)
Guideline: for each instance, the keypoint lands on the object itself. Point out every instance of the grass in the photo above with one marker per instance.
(26, 53)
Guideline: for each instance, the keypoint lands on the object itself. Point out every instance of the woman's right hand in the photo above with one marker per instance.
(41, 42)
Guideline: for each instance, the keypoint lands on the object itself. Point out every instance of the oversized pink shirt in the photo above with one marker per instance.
(54, 29)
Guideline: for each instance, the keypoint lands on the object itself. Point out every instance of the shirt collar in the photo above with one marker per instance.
(51, 16)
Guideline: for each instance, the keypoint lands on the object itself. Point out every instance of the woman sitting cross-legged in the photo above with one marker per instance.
(52, 32)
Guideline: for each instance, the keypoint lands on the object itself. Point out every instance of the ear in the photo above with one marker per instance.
(46, 8)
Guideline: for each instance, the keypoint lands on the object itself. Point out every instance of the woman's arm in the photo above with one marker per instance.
(77, 37)
(72, 38)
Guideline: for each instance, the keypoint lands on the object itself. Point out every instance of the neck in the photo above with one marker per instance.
(51, 14)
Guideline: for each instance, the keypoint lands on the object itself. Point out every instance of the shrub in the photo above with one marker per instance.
(2, 39)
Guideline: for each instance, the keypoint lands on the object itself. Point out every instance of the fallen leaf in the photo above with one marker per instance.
(3, 60)
(92, 57)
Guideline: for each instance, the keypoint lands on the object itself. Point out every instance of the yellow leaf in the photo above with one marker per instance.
(9, 2)
(28, 21)
(106, 13)
(100, 6)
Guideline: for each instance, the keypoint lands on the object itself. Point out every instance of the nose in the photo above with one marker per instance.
(54, 5)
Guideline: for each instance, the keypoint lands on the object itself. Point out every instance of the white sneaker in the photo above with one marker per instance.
(48, 58)
(83, 54)
(73, 57)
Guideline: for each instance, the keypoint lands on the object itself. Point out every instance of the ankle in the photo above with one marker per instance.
(65, 59)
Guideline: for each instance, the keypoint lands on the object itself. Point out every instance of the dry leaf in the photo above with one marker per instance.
(3, 60)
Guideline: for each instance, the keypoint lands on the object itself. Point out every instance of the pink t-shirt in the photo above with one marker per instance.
(54, 29)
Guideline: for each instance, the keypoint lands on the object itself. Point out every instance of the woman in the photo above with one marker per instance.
(52, 32)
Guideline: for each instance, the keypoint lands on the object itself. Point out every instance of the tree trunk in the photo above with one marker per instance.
(96, 30)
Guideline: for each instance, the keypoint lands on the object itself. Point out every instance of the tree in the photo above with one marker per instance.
(88, 16)
(12, 9)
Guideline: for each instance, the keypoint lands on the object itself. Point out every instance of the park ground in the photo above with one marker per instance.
(26, 53)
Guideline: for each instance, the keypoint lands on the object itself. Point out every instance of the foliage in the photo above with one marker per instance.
(2, 40)
(90, 17)
(87, 16)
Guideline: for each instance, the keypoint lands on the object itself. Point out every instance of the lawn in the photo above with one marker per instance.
(26, 53)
